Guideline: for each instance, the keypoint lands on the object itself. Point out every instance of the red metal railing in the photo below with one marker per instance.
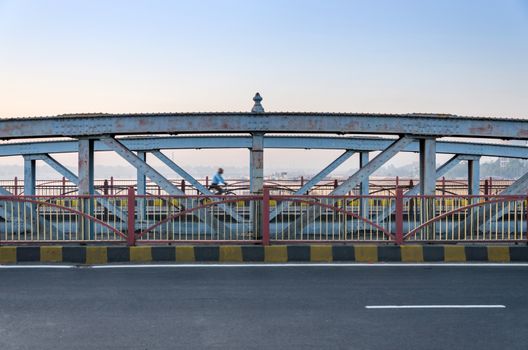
(380, 186)
(262, 219)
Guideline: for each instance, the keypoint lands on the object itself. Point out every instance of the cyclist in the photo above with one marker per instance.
(218, 182)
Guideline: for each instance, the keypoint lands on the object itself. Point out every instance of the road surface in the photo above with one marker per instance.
(299, 307)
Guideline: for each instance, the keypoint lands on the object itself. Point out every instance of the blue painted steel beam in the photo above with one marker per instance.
(313, 181)
(195, 183)
(424, 125)
(85, 158)
(427, 166)
(364, 186)
(68, 174)
(474, 177)
(364, 172)
(86, 166)
(159, 179)
(348, 185)
(256, 164)
(281, 142)
(440, 171)
(141, 182)
(29, 176)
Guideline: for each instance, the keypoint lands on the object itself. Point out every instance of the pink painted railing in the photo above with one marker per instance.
(262, 219)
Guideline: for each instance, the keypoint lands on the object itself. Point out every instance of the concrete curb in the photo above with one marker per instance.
(93, 255)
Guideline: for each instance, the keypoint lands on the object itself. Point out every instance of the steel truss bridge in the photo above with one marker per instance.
(261, 216)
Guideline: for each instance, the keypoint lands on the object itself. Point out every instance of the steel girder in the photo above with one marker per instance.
(314, 181)
(349, 184)
(364, 172)
(159, 179)
(70, 176)
(195, 183)
(283, 142)
(418, 125)
(415, 190)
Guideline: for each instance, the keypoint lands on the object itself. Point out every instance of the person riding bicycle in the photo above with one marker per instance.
(218, 182)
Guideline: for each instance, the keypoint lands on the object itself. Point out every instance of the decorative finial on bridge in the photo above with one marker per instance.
(257, 107)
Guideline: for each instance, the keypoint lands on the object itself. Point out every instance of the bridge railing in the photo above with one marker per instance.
(262, 219)
(30, 219)
(492, 218)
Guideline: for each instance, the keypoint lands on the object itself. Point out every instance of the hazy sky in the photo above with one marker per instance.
(462, 57)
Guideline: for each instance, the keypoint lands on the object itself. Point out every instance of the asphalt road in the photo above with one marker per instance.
(263, 308)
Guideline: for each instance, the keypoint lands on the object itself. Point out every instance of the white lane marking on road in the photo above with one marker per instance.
(204, 265)
(37, 266)
(435, 307)
(216, 265)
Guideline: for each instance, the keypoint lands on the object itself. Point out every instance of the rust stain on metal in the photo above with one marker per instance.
(522, 133)
(352, 125)
(487, 129)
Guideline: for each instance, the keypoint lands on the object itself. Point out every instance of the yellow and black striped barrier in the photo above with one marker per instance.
(94, 255)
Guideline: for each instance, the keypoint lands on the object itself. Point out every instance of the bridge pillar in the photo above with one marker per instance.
(256, 177)
(364, 185)
(141, 187)
(30, 184)
(86, 184)
(141, 178)
(427, 180)
(474, 177)
(427, 166)
(29, 176)
(256, 164)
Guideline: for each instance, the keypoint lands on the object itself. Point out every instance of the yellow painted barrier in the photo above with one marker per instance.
(8, 255)
(50, 254)
(231, 254)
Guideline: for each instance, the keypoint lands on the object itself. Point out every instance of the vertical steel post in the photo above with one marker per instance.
(473, 185)
(256, 164)
(427, 181)
(105, 193)
(256, 177)
(141, 178)
(399, 216)
(364, 186)
(86, 185)
(15, 192)
(131, 228)
(427, 166)
(141, 187)
(473, 177)
(29, 176)
(265, 216)
(30, 189)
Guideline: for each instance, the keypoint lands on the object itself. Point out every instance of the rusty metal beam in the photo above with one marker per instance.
(314, 181)
(350, 183)
(429, 125)
(364, 172)
(159, 179)
(195, 183)
(440, 171)
(278, 142)
(74, 179)
(427, 166)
